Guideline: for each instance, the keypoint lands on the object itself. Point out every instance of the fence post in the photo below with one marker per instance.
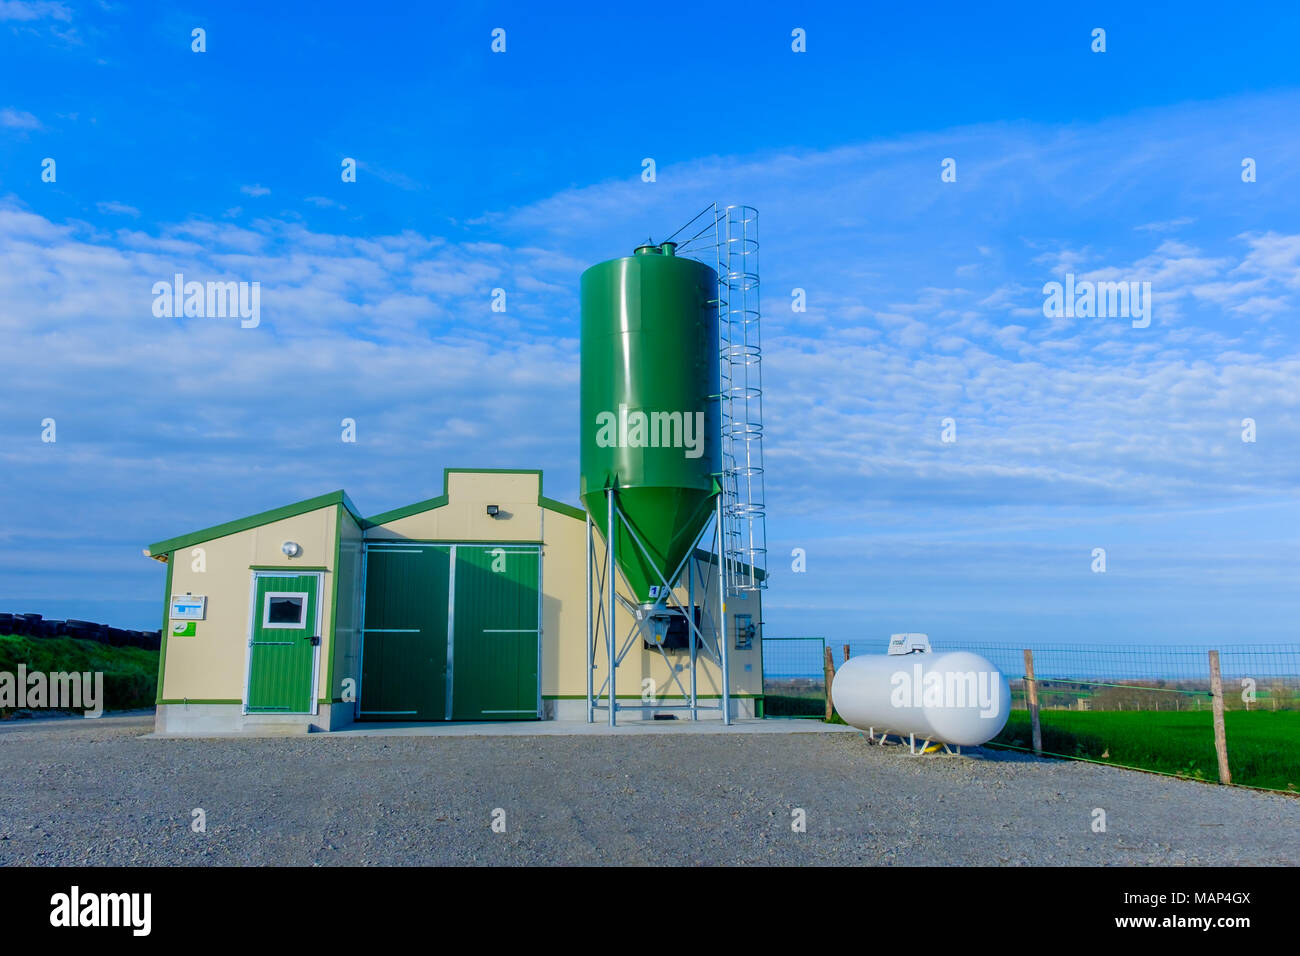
(829, 665)
(1031, 698)
(846, 653)
(1220, 735)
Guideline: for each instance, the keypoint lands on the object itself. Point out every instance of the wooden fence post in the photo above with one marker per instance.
(846, 653)
(1220, 735)
(1031, 698)
(830, 678)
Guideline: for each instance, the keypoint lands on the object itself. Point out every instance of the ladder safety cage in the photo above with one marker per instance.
(726, 237)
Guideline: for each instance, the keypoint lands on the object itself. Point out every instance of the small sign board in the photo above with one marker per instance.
(745, 632)
(184, 629)
(188, 607)
(909, 644)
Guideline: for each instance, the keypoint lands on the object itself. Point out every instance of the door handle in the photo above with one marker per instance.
(315, 640)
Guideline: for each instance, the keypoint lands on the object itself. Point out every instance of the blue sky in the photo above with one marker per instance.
(518, 170)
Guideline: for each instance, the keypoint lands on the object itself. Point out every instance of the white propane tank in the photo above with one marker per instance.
(951, 697)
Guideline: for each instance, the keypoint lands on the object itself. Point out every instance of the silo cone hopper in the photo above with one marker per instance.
(650, 421)
(657, 527)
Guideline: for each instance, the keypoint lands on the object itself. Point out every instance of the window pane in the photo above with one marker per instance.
(285, 610)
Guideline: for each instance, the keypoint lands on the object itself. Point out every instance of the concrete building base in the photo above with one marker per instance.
(199, 720)
(742, 708)
(196, 720)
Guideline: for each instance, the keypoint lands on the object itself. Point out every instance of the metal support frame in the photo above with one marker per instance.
(603, 600)
(912, 748)
(610, 545)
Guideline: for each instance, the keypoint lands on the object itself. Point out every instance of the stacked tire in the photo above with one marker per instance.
(35, 625)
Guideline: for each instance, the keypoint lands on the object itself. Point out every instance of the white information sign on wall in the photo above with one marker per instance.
(188, 607)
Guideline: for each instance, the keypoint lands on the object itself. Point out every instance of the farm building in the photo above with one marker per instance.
(466, 607)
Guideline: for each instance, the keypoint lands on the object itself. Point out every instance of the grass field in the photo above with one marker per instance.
(1263, 747)
(130, 673)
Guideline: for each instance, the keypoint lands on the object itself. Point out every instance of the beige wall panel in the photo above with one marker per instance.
(211, 665)
(564, 653)
(465, 518)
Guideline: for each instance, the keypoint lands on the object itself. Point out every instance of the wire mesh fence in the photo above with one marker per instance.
(794, 677)
(1137, 676)
(1147, 707)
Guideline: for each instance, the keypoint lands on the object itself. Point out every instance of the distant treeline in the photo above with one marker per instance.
(34, 625)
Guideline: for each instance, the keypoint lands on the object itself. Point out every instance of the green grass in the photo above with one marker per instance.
(130, 673)
(793, 705)
(811, 704)
(1263, 747)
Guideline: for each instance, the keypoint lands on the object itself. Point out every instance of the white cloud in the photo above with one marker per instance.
(113, 208)
(255, 190)
(29, 10)
(18, 119)
(390, 176)
(1168, 225)
(1274, 257)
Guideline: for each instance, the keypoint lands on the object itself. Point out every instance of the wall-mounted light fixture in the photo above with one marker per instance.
(291, 549)
(493, 511)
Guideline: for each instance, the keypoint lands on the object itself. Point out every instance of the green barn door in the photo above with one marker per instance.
(283, 644)
(404, 655)
(494, 673)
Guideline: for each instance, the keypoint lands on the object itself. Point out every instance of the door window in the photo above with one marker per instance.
(284, 610)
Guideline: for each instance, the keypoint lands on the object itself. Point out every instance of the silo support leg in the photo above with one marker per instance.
(613, 604)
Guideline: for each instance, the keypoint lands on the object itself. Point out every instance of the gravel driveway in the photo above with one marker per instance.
(93, 793)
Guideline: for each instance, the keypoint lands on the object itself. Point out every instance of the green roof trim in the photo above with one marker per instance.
(488, 471)
(334, 601)
(166, 629)
(405, 512)
(333, 499)
(161, 549)
(550, 504)
(429, 504)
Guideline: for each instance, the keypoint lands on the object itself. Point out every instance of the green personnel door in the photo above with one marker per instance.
(497, 637)
(451, 632)
(283, 644)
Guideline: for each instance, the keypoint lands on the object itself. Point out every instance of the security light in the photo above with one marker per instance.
(493, 511)
(291, 549)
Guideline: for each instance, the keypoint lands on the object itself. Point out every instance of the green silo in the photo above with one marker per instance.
(649, 405)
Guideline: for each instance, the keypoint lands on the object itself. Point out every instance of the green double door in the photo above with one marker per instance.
(404, 654)
(451, 632)
(283, 644)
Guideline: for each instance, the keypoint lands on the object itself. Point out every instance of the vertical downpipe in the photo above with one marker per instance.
(690, 628)
(451, 631)
(609, 629)
(722, 626)
(591, 646)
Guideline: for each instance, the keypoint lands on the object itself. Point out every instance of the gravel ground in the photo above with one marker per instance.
(94, 793)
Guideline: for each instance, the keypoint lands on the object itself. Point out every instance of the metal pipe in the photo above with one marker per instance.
(690, 630)
(451, 632)
(609, 629)
(722, 624)
(591, 643)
